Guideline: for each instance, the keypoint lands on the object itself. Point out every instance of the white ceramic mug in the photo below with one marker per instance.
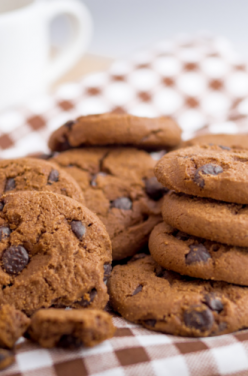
(26, 68)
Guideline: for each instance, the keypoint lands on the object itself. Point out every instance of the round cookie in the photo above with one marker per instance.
(27, 174)
(216, 172)
(120, 187)
(53, 251)
(145, 293)
(198, 257)
(70, 328)
(116, 129)
(209, 219)
(222, 139)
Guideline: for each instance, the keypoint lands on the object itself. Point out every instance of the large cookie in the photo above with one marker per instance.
(53, 251)
(216, 172)
(27, 174)
(209, 219)
(120, 187)
(145, 293)
(222, 139)
(198, 257)
(70, 328)
(116, 129)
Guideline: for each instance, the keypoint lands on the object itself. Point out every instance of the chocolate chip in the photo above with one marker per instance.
(53, 177)
(198, 319)
(69, 341)
(14, 259)
(166, 274)
(69, 124)
(107, 271)
(1, 206)
(123, 203)
(93, 181)
(78, 228)
(154, 189)
(84, 302)
(64, 145)
(4, 232)
(150, 322)
(10, 184)
(197, 253)
(214, 302)
(137, 290)
(181, 236)
(224, 147)
(6, 358)
(207, 169)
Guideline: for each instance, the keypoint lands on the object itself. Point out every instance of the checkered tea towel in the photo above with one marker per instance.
(203, 83)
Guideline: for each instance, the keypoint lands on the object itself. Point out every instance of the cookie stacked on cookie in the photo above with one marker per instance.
(111, 156)
(194, 283)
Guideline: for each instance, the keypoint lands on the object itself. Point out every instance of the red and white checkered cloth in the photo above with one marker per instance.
(201, 82)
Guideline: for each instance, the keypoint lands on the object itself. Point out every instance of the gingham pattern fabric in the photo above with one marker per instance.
(203, 83)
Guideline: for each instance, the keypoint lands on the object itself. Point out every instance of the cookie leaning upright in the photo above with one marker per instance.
(53, 251)
(116, 129)
(216, 172)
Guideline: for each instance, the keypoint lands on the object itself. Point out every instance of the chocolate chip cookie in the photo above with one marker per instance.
(70, 328)
(120, 187)
(6, 358)
(197, 257)
(216, 172)
(145, 293)
(209, 219)
(27, 174)
(116, 129)
(228, 140)
(53, 251)
(13, 324)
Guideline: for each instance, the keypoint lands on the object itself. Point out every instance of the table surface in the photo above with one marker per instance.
(86, 65)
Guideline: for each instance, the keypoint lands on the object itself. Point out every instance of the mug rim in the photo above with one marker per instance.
(19, 11)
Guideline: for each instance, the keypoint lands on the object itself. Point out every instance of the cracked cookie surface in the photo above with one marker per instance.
(53, 251)
(116, 129)
(145, 293)
(27, 174)
(198, 257)
(120, 187)
(70, 328)
(217, 172)
(218, 221)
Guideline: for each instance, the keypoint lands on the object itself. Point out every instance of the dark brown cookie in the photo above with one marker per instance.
(227, 140)
(13, 324)
(120, 187)
(27, 174)
(161, 300)
(70, 328)
(209, 219)
(116, 129)
(216, 172)
(198, 257)
(53, 251)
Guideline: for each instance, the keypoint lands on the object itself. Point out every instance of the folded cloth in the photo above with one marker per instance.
(203, 83)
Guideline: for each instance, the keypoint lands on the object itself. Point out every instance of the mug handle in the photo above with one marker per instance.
(83, 27)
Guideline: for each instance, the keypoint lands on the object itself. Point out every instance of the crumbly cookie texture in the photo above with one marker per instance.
(53, 252)
(70, 328)
(116, 129)
(6, 358)
(221, 139)
(120, 187)
(27, 174)
(13, 324)
(197, 257)
(143, 292)
(209, 219)
(217, 172)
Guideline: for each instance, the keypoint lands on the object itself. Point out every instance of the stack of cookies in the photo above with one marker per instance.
(112, 157)
(194, 283)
